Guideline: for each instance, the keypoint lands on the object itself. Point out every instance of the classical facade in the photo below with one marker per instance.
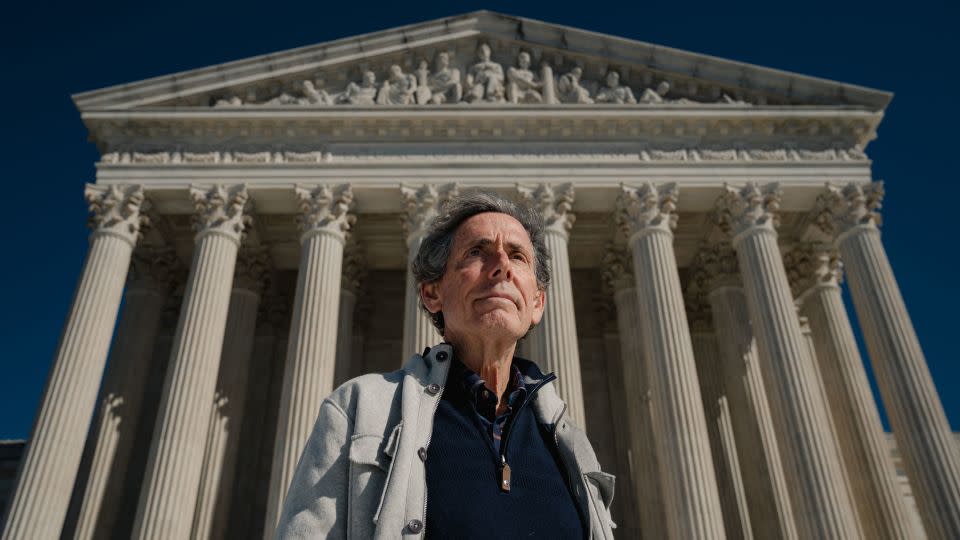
(256, 219)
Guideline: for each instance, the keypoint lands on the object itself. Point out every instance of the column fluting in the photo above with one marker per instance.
(726, 461)
(648, 215)
(50, 461)
(647, 494)
(311, 353)
(172, 476)
(553, 342)
(229, 402)
(822, 505)
(916, 414)
(422, 206)
(152, 273)
(765, 481)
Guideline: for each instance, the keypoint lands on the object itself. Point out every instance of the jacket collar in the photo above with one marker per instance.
(433, 366)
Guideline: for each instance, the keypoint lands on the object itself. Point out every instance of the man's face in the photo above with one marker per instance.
(489, 289)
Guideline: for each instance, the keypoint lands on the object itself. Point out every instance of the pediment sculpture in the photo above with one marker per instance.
(482, 80)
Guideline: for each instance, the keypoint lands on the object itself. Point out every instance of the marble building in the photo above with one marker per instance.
(255, 219)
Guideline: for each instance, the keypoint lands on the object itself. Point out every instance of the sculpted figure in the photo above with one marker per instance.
(361, 94)
(314, 96)
(485, 80)
(658, 95)
(398, 89)
(613, 92)
(522, 86)
(423, 93)
(445, 84)
(570, 90)
(232, 101)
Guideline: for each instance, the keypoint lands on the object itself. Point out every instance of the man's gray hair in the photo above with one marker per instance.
(431, 261)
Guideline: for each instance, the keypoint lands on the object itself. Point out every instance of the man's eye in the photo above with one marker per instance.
(474, 252)
(519, 256)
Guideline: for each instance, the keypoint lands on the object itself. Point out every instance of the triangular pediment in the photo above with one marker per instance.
(444, 62)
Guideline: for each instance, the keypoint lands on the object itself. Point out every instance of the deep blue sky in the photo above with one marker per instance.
(50, 51)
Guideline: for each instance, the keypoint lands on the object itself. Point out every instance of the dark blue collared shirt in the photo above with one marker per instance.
(484, 401)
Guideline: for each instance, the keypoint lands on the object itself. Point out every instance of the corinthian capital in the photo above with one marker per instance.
(810, 264)
(617, 274)
(422, 205)
(354, 266)
(555, 204)
(748, 209)
(715, 265)
(252, 272)
(647, 208)
(837, 211)
(116, 210)
(325, 209)
(156, 268)
(221, 210)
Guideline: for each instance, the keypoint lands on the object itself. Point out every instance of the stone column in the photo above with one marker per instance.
(172, 476)
(49, 465)
(422, 206)
(648, 496)
(227, 409)
(765, 481)
(553, 343)
(311, 353)
(923, 434)
(353, 274)
(111, 443)
(815, 273)
(824, 508)
(648, 215)
(726, 463)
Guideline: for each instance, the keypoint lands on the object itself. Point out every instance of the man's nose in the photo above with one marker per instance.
(500, 267)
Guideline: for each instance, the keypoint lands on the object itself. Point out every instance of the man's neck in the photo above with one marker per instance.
(491, 362)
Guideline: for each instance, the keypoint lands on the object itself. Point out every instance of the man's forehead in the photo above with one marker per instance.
(489, 225)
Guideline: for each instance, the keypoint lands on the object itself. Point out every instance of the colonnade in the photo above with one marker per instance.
(735, 425)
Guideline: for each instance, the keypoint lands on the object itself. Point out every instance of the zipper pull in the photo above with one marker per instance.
(504, 474)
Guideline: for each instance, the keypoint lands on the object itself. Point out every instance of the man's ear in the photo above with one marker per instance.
(430, 296)
(539, 302)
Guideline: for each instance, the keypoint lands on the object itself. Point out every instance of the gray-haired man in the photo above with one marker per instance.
(468, 423)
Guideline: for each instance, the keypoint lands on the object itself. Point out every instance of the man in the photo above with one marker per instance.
(467, 423)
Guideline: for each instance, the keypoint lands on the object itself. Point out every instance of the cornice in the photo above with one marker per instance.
(667, 127)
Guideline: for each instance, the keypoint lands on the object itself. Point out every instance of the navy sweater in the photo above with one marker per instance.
(464, 499)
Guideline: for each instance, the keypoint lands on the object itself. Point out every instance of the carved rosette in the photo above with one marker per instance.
(117, 210)
(157, 268)
(811, 264)
(221, 210)
(325, 209)
(555, 204)
(749, 209)
(422, 205)
(839, 211)
(647, 208)
(354, 267)
(252, 272)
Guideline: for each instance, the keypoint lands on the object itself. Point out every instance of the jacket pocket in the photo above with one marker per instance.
(601, 487)
(370, 466)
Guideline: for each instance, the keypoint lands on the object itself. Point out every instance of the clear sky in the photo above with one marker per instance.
(52, 50)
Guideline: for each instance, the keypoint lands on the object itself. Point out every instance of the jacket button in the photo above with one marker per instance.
(415, 526)
(422, 452)
(433, 389)
(441, 356)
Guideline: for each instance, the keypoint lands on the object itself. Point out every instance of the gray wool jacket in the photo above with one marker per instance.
(360, 475)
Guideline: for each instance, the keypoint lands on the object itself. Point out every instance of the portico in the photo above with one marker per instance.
(683, 198)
